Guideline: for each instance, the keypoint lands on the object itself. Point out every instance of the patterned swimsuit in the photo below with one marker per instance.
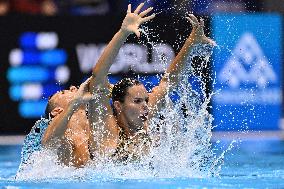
(127, 151)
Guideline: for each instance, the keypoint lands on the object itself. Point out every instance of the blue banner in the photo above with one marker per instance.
(248, 67)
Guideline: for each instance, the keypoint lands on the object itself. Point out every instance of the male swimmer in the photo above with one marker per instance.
(65, 127)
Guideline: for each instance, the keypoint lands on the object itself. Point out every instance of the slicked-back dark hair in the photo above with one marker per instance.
(49, 107)
(119, 90)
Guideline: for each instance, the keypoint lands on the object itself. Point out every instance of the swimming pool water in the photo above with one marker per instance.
(250, 164)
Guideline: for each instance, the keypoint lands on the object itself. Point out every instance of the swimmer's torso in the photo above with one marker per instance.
(131, 148)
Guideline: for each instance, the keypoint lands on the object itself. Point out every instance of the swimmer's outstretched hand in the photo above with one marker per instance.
(83, 96)
(197, 34)
(133, 20)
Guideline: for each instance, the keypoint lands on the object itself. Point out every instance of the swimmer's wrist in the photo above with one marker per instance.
(192, 41)
(124, 32)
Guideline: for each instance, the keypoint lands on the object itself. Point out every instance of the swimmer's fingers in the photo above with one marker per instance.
(145, 12)
(200, 27)
(137, 10)
(194, 25)
(85, 83)
(146, 19)
(129, 8)
(136, 31)
(84, 86)
(193, 18)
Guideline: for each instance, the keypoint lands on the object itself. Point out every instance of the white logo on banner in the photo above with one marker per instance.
(247, 54)
(130, 56)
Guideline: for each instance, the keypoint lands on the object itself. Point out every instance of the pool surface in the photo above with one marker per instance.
(250, 164)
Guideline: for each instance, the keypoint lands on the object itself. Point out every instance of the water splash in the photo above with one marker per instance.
(183, 149)
(185, 131)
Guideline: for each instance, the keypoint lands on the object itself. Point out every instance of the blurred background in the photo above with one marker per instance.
(47, 45)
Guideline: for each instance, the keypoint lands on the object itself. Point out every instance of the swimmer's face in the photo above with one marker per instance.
(135, 106)
(64, 97)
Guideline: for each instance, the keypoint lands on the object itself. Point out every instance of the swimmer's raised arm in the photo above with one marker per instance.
(130, 25)
(100, 109)
(59, 123)
(196, 37)
(99, 83)
(171, 76)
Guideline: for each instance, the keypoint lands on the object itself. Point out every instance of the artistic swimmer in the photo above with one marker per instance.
(64, 126)
(119, 131)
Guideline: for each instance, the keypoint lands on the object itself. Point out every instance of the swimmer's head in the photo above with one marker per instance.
(130, 102)
(59, 101)
(119, 90)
